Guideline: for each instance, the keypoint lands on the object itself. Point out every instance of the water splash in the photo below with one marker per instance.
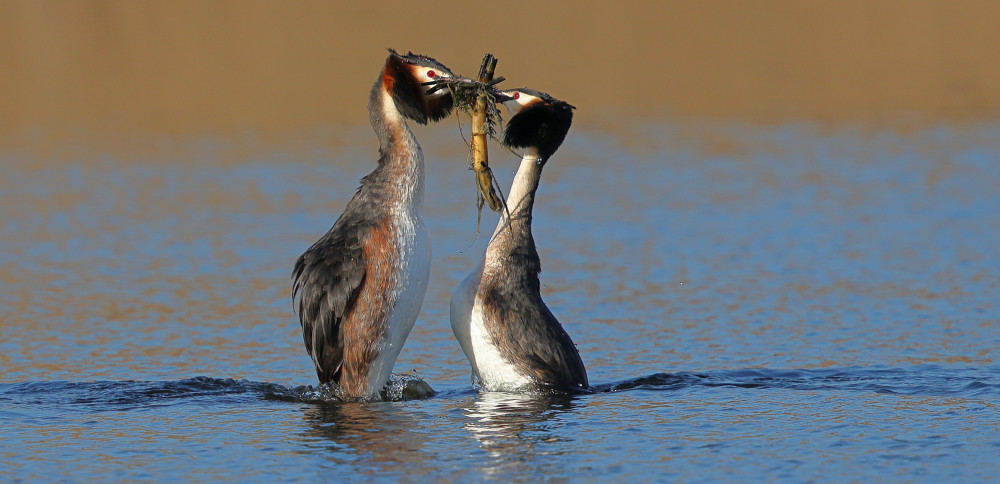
(400, 387)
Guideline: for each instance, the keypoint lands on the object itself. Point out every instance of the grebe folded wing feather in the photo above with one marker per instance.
(326, 281)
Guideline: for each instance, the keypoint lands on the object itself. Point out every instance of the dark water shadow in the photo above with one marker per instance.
(98, 396)
(124, 395)
(926, 380)
(500, 408)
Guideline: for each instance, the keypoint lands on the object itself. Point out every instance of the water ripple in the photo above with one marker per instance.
(118, 395)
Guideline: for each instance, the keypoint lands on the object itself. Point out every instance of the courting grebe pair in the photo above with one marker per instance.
(359, 288)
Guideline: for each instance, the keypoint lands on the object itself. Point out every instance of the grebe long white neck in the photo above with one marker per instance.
(515, 221)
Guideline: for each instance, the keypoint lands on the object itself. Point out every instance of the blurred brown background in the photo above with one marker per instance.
(104, 71)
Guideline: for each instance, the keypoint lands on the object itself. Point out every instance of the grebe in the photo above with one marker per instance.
(358, 289)
(510, 337)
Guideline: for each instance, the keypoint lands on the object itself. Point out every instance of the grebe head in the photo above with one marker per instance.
(405, 76)
(537, 120)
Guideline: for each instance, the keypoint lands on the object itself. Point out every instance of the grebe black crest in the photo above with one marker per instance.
(540, 122)
(358, 289)
(511, 338)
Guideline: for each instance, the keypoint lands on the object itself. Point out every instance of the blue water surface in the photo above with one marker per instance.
(795, 302)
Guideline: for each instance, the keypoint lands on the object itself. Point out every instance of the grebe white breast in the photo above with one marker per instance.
(357, 290)
(511, 338)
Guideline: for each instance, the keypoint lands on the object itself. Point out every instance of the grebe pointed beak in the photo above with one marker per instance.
(434, 86)
(444, 82)
(501, 97)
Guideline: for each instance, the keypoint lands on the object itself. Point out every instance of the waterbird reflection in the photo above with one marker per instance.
(380, 435)
(512, 426)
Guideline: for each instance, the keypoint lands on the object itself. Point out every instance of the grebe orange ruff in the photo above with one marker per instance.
(358, 289)
(510, 337)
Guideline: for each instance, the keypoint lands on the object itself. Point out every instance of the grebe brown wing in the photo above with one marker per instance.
(326, 282)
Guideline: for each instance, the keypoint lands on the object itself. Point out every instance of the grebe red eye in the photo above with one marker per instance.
(431, 74)
(517, 95)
